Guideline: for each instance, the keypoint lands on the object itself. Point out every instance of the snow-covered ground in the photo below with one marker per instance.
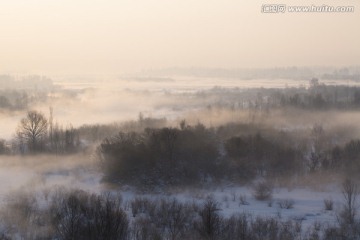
(35, 175)
(308, 204)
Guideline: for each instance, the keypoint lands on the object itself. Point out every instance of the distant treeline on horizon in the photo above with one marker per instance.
(294, 73)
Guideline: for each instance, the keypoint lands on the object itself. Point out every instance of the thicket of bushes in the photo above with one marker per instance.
(64, 214)
(195, 154)
(255, 155)
(75, 214)
(165, 156)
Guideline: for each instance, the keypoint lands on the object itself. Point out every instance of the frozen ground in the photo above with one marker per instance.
(35, 175)
(308, 206)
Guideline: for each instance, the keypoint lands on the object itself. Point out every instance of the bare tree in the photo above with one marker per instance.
(3, 148)
(210, 225)
(350, 192)
(174, 217)
(32, 130)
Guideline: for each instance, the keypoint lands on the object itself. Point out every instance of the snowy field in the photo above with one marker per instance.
(48, 173)
(308, 205)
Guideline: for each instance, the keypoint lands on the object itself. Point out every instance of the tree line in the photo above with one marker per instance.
(38, 134)
(199, 155)
(315, 96)
(191, 154)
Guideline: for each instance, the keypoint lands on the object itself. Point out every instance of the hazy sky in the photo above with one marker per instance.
(118, 36)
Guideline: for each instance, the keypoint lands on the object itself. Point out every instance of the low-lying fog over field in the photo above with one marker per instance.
(79, 100)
